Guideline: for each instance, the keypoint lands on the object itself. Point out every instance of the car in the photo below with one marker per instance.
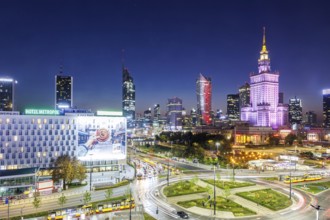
(195, 160)
(156, 192)
(182, 214)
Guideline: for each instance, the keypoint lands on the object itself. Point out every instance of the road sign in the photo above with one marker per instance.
(7, 201)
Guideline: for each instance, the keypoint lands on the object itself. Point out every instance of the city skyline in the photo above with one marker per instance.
(162, 41)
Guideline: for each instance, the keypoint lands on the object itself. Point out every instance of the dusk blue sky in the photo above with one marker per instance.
(167, 44)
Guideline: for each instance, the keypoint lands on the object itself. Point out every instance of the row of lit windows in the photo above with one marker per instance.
(37, 138)
(36, 121)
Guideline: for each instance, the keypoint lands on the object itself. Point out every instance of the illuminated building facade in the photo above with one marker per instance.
(204, 99)
(233, 107)
(7, 92)
(156, 115)
(295, 111)
(264, 109)
(64, 92)
(128, 98)
(326, 108)
(310, 118)
(174, 114)
(244, 95)
(36, 140)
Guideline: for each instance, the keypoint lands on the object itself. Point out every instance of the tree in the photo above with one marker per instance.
(36, 201)
(195, 179)
(80, 172)
(108, 194)
(62, 200)
(87, 197)
(68, 169)
(63, 170)
(226, 192)
(289, 139)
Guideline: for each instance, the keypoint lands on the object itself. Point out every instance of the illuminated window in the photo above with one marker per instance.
(39, 121)
(38, 154)
(7, 120)
(15, 138)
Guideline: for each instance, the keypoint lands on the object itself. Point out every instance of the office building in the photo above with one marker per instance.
(244, 95)
(326, 108)
(295, 111)
(264, 109)
(128, 98)
(64, 92)
(156, 115)
(204, 99)
(174, 113)
(37, 138)
(310, 118)
(281, 98)
(7, 94)
(233, 107)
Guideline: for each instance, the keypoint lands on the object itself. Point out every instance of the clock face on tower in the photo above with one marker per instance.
(102, 135)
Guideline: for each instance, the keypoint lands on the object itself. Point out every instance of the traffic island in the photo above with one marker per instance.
(268, 198)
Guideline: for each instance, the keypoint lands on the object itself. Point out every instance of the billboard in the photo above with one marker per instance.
(101, 138)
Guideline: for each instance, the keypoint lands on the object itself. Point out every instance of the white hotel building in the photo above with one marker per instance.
(37, 140)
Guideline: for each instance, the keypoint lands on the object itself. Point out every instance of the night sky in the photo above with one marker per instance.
(167, 44)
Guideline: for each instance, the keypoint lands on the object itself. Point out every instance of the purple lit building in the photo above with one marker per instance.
(265, 109)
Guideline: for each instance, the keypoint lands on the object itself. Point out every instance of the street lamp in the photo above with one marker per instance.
(22, 212)
(214, 190)
(168, 171)
(290, 185)
(130, 200)
(90, 173)
(217, 144)
(318, 208)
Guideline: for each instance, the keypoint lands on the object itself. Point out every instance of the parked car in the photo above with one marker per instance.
(156, 192)
(182, 214)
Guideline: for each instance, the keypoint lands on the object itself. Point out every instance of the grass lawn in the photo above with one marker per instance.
(122, 183)
(76, 185)
(148, 217)
(268, 198)
(230, 184)
(222, 205)
(314, 187)
(183, 188)
(270, 178)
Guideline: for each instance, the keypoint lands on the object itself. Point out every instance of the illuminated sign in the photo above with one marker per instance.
(42, 112)
(109, 113)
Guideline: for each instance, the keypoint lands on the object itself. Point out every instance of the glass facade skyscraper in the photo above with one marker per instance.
(204, 99)
(233, 107)
(326, 108)
(128, 98)
(64, 92)
(264, 109)
(174, 113)
(295, 111)
(7, 94)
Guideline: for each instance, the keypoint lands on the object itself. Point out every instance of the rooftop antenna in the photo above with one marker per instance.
(123, 57)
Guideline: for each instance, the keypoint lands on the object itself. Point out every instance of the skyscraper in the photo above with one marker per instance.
(326, 108)
(204, 99)
(7, 93)
(233, 107)
(280, 98)
(264, 109)
(174, 113)
(128, 98)
(244, 95)
(64, 92)
(295, 111)
(156, 112)
(310, 118)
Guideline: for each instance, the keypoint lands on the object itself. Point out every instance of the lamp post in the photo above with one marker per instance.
(318, 208)
(22, 212)
(90, 173)
(214, 192)
(130, 200)
(168, 171)
(290, 185)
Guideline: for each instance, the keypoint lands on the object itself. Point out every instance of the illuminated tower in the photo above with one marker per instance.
(264, 109)
(204, 99)
(7, 94)
(64, 92)
(233, 107)
(128, 98)
(295, 111)
(174, 113)
(326, 108)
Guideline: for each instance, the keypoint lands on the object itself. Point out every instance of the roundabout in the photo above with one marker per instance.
(236, 205)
